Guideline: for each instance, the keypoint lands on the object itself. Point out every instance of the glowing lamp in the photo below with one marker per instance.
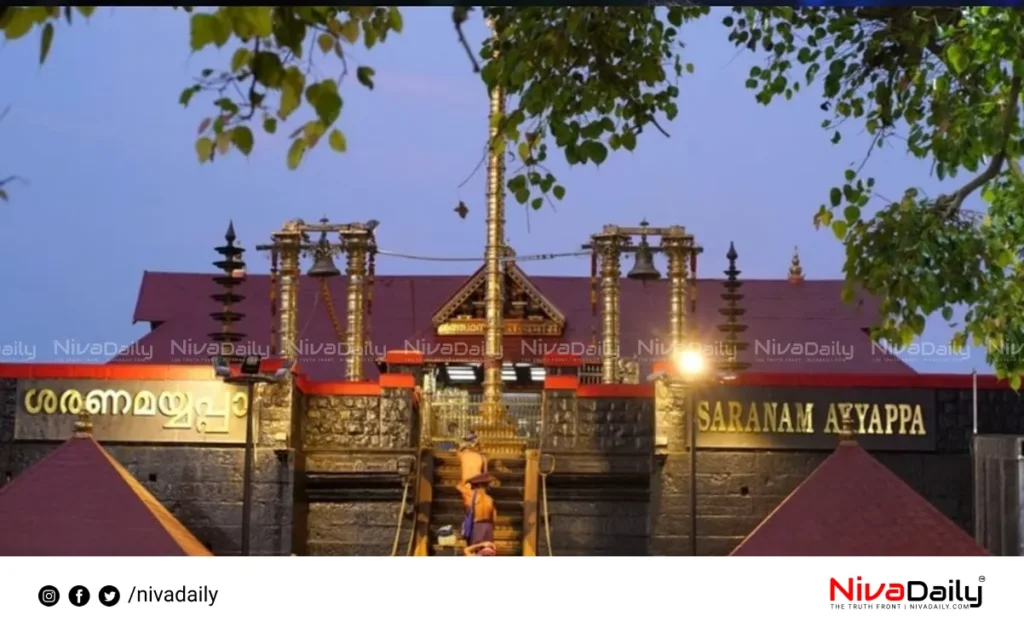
(689, 362)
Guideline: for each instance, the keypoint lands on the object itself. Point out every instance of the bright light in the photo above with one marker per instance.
(689, 362)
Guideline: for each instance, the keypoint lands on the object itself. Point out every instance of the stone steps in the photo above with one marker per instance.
(507, 489)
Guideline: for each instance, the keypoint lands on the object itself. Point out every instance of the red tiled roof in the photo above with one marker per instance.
(852, 505)
(779, 315)
(78, 501)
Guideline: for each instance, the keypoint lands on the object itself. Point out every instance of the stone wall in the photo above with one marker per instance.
(598, 492)
(200, 485)
(351, 489)
(736, 490)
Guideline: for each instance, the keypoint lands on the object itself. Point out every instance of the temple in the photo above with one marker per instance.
(360, 385)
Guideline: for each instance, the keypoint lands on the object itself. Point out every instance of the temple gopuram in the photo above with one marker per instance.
(360, 385)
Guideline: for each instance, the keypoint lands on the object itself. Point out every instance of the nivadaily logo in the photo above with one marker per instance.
(911, 594)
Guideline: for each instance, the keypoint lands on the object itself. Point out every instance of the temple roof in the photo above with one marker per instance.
(780, 316)
(852, 505)
(78, 501)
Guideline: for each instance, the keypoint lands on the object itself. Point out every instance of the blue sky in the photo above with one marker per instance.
(115, 188)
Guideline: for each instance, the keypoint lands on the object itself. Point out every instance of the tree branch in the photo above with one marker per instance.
(953, 201)
(459, 16)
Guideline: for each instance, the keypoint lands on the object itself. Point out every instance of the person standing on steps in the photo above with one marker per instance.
(471, 459)
(478, 527)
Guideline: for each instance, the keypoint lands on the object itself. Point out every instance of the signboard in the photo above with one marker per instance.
(164, 411)
(812, 417)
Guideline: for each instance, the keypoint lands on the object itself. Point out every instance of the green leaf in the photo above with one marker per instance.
(295, 152)
(261, 19)
(268, 69)
(947, 313)
(291, 91)
(847, 294)
(187, 94)
(45, 42)
(835, 196)
(558, 191)
(852, 214)
(270, 126)
(956, 57)
(326, 42)
(204, 29)
(86, 11)
(223, 143)
(350, 31)
(241, 136)
(20, 22)
(850, 175)
(240, 58)
(839, 229)
(537, 203)
(628, 140)
(328, 103)
(365, 76)
(337, 141)
(395, 19)
(204, 149)
(596, 151)
(522, 195)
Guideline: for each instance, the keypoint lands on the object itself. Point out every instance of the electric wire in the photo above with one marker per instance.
(510, 258)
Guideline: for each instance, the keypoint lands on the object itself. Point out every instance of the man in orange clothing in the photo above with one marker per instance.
(481, 514)
(471, 459)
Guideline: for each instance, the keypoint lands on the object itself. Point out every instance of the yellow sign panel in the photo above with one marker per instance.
(147, 411)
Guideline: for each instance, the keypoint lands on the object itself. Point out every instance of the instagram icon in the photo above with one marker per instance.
(49, 596)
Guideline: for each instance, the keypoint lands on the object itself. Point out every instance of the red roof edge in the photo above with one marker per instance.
(147, 371)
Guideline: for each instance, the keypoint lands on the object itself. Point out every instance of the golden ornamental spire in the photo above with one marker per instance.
(846, 435)
(796, 272)
(494, 293)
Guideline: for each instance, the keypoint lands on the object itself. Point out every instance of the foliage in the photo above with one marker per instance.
(946, 82)
(587, 81)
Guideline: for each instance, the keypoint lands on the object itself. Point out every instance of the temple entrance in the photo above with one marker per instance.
(449, 414)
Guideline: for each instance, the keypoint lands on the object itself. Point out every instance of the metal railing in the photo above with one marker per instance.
(453, 413)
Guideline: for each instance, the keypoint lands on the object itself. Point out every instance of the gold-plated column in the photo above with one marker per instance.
(609, 247)
(287, 245)
(356, 250)
(494, 293)
(675, 250)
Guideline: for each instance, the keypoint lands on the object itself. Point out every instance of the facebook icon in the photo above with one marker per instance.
(79, 596)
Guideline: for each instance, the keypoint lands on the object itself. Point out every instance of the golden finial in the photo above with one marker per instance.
(796, 272)
(83, 427)
(846, 429)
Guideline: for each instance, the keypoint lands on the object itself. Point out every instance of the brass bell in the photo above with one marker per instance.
(643, 268)
(323, 262)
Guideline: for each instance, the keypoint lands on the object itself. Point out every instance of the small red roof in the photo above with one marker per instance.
(78, 501)
(852, 505)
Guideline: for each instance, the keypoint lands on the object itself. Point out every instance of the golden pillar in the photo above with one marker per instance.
(287, 243)
(494, 294)
(609, 248)
(675, 249)
(356, 250)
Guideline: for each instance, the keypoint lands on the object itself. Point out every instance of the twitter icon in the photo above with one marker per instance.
(109, 596)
